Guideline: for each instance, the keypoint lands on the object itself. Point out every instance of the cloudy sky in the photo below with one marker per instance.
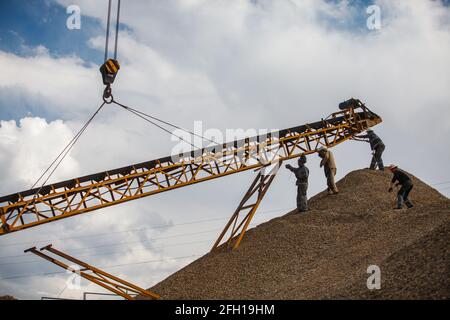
(251, 64)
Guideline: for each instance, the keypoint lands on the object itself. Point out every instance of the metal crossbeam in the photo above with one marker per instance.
(240, 220)
(112, 283)
(65, 199)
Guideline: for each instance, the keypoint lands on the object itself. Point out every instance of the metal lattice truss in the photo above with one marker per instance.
(240, 220)
(65, 199)
(112, 283)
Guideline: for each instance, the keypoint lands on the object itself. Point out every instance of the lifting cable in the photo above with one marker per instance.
(64, 153)
(109, 71)
(117, 30)
(110, 67)
(108, 23)
(161, 127)
(74, 140)
(146, 117)
(57, 161)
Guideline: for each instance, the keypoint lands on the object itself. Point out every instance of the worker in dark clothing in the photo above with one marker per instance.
(302, 174)
(402, 179)
(377, 146)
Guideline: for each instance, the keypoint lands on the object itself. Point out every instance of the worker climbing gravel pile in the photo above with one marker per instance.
(329, 165)
(320, 254)
(377, 146)
(302, 174)
(400, 178)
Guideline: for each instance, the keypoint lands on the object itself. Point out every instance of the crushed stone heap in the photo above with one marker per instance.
(324, 254)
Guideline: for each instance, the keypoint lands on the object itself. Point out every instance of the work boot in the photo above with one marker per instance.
(373, 164)
(409, 204)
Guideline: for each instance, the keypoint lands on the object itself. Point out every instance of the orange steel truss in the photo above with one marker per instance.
(80, 195)
(112, 283)
(249, 204)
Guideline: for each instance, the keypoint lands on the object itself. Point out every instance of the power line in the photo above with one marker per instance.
(131, 230)
(110, 266)
(113, 232)
(100, 254)
(128, 242)
(125, 243)
(134, 241)
(110, 252)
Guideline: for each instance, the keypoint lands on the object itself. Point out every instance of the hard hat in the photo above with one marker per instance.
(392, 167)
(369, 130)
(323, 149)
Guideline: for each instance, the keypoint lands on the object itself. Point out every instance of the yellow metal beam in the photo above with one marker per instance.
(112, 283)
(236, 229)
(69, 198)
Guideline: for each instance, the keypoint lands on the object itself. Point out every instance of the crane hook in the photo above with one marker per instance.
(107, 95)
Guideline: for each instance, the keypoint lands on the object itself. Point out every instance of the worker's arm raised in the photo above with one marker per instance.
(291, 168)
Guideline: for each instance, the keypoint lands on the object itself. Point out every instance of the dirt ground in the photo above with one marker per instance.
(324, 254)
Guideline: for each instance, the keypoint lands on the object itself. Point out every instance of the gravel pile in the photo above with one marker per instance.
(325, 253)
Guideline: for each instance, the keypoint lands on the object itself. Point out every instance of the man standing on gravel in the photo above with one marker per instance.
(406, 186)
(329, 166)
(302, 174)
(377, 146)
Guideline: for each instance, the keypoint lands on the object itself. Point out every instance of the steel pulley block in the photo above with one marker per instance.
(109, 71)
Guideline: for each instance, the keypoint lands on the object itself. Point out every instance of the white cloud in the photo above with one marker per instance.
(232, 64)
(27, 149)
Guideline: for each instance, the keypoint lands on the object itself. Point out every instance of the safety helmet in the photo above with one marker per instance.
(369, 130)
(393, 167)
(323, 149)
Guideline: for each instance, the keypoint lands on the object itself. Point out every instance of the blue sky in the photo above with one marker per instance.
(25, 24)
(230, 66)
(29, 23)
